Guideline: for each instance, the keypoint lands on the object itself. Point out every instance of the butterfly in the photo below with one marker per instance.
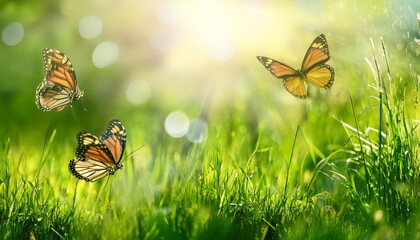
(313, 69)
(59, 87)
(98, 157)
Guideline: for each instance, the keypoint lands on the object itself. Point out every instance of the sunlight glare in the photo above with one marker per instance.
(209, 25)
(211, 29)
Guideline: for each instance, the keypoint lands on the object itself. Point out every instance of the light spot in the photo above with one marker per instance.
(197, 131)
(377, 217)
(177, 124)
(105, 54)
(13, 34)
(138, 92)
(90, 27)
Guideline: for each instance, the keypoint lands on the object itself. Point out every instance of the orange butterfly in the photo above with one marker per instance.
(313, 69)
(99, 157)
(59, 87)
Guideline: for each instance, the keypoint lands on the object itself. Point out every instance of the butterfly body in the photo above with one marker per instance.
(59, 87)
(313, 69)
(97, 157)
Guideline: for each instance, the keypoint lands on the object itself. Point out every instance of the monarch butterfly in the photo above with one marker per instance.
(99, 157)
(313, 69)
(59, 87)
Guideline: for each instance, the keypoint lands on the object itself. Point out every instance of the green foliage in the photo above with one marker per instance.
(380, 168)
(30, 207)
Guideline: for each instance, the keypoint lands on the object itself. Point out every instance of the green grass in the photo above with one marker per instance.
(252, 178)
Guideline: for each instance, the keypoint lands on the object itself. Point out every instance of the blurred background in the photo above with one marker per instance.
(185, 62)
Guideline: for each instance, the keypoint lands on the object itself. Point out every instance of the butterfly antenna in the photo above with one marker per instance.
(132, 154)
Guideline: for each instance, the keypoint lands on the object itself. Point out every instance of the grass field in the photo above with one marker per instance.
(342, 164)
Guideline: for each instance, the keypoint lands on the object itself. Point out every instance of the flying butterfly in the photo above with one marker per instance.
(98, 157)
(59, 87)
(313, 69)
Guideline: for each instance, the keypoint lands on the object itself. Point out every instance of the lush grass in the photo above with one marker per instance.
(251, 179)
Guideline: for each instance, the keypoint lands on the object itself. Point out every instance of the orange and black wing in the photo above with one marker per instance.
(296, 86)
(91, 147)
(99, 157)
(321, 76)
(293, 80)
(114, 138)
(93, 159)
(318, 53)
(59, 87)
(58, 69)
(278, 69)
(313, 69)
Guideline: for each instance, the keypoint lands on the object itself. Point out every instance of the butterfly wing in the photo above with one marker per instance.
(292, 79)
(93, 159)
(58, 69)
(114, 138)
(91, 147)
(59, 87)
(53, 97)
(313, 69)
(318, 53)
(278, 69)
(88, 169)
(321, 76)
(296, 86)
(99, 157)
